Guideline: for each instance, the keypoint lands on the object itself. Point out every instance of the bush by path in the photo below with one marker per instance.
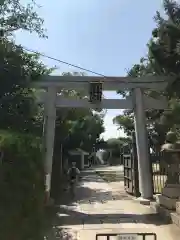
(21, 187)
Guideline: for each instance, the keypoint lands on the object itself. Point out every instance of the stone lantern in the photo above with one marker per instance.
(171, 164)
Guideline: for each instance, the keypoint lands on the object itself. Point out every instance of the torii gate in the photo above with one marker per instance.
(138, 102)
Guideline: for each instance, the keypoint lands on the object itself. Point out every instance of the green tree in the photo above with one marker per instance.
(17, 103)
(125, 122)
(16, 16)
(163, 58)
(22, 172)
(17, 107)
(115, 145)
(77, 127)
(101, 144)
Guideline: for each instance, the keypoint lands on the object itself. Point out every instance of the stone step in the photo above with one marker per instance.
(175, 219)
(162, 211)
(178, 207)
(168, 215)
(168, 203)
(165, 201)
(171, 191)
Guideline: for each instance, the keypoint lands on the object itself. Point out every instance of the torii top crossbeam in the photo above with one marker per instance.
(109, 83)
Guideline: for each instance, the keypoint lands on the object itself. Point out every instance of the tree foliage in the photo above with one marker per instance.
(113, 150)
(77, 127)
(17, 107)
(17, 103)
(22, 176)
(163, 58)
(22, 187)
(17, 16)
(21, 167)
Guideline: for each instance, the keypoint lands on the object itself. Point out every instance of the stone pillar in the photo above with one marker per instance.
(170, 197)
(49, 132)
(171, 191)
(145, 176)
(170, 159)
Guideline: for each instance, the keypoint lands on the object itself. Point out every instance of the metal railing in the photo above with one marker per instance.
(164, 170)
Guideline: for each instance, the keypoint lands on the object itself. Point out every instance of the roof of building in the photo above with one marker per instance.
(78, 151)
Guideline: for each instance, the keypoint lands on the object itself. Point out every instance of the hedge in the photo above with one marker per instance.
(21, 187)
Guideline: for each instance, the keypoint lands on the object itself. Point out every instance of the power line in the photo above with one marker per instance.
(64, 62)
(84, 69)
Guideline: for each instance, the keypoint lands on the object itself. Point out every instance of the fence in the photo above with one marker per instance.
(165, 169)
(131, 180)
(159, 168)
(159, 172)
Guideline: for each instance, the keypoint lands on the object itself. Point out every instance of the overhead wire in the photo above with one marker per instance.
(84, 69)
(64, 62)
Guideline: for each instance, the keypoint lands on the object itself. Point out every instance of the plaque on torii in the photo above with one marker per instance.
(95, 92)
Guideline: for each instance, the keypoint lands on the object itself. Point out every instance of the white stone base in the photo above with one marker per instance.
(143, 201)
(171, 191)
(175, 219)
(178, 207)
(167, 202)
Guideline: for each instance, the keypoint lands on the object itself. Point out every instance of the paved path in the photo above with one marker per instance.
(108, 168)
(104, 207)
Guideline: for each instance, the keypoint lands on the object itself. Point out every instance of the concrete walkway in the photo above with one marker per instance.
(102, 207)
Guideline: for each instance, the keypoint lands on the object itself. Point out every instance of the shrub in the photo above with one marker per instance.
(21, 187)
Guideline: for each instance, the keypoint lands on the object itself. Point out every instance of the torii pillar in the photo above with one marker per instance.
(49, 134)
(145, 175)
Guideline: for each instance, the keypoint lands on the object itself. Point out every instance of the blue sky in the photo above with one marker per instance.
(105, 36)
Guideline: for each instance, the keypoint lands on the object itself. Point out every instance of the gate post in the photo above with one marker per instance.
(135, 166)
(145, 177)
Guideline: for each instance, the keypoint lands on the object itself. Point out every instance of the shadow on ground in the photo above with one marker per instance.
(87, 195)
(111, 176)
(67, 216)
(108, 175)
(90, 196)
(67, 213)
